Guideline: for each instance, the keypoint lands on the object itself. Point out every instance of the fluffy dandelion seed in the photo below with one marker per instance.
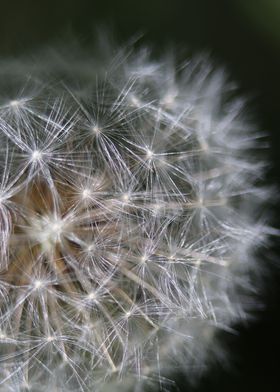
(96, 130)
(86, 193)
(36, 156)
(15, 103)
(128, 244)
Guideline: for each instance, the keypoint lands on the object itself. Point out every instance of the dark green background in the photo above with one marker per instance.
(244, 35)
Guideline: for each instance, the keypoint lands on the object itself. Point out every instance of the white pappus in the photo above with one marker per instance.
(129, 220)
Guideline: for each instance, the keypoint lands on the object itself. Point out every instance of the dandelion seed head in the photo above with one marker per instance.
(129, 218)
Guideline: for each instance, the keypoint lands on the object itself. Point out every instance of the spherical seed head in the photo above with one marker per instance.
(125, 245)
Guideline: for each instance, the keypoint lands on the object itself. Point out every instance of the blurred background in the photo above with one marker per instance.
(244, 36)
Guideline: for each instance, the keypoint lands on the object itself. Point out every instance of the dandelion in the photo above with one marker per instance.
(129, 220)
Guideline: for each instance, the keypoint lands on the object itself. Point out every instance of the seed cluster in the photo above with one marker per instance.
(128, 221)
